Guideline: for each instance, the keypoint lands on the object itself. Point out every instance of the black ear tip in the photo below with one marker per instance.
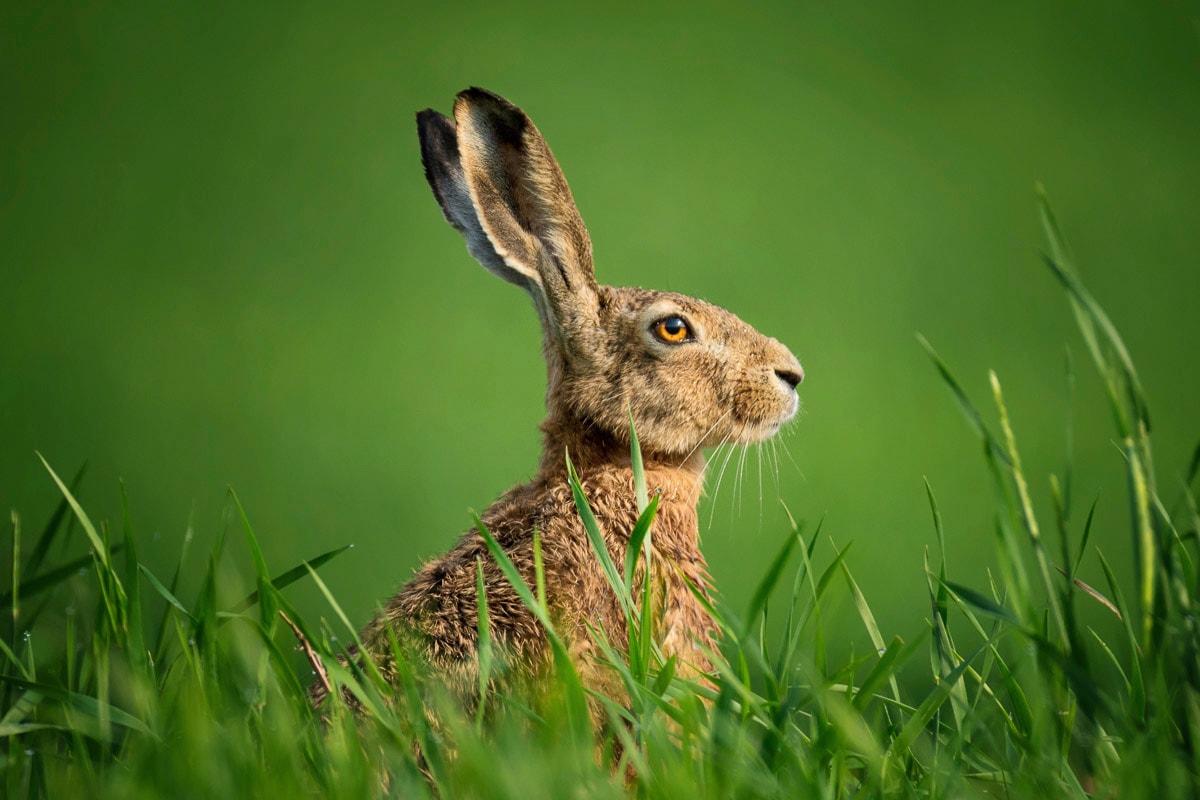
(506, 121)
(437, 131)
(439, 152)
(479, 95)
(429, 119)
(490, 103)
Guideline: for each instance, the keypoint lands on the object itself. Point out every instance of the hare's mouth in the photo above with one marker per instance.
(760, 421)
(753, 431)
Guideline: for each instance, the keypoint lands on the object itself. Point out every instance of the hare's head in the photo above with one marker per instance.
(693, 374)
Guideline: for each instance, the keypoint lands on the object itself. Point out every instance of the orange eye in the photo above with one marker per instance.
(672, 330)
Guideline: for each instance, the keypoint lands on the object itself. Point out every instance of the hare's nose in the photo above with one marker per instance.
(791, 377)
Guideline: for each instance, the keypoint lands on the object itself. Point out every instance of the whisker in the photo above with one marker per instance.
(787, 452)
(711, 428)
(720, 456)
(720, 475)
(736, 452)
(738, 480)
(758, 454)
(775, 458)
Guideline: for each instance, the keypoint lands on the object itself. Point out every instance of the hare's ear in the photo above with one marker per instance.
(444, 171)
(524, 206)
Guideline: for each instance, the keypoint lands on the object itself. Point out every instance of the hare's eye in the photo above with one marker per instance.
(672, 330)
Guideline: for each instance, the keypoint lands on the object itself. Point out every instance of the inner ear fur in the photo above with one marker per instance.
(524, 205)
(444, 172)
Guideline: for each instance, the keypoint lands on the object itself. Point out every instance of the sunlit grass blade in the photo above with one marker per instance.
(539, 568)
(599, 547)
(53, 526)
(929, 706)
(868, 619)
(262, 575)
(350, 628)
(1090, 314)
(1009, 551)
(797, 623)
(831, 571)
(287, 578)
(484, 632)
(1145, 540)
(1028, 517)
(98, 548)
(639, 470)
(964, 402)
(637, 538)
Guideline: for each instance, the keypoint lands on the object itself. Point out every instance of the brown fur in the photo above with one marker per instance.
(500, 186)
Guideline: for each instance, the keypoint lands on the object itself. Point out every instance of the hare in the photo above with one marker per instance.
(691, 374)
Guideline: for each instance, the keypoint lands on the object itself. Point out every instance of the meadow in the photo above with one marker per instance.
(220, 263)
(114, 685)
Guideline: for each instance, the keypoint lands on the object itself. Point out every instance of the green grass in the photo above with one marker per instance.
(125, 689)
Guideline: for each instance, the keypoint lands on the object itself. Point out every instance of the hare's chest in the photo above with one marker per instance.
(685, 629)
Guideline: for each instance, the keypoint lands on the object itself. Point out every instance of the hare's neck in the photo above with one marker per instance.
(595, 452)
(590, 445)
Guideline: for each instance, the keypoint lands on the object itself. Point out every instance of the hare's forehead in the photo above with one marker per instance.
(643, 305)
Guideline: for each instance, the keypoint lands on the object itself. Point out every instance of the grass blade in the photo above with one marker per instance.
(84, 704)
(51, 578)
(868, 618)
(289, 577)
(134, 634)
(262, 576)
(97, 543)
(50, 532)
(762, 592)
(964, 403)
(580, 721)
(929, 706)
(484, 632)
(166, 593)
(599, 547)
(639, 471)
(637, 538)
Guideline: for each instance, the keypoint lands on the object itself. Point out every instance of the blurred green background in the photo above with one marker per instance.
(220, 262)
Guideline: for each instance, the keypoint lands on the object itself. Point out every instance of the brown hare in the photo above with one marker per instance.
(691, 374)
